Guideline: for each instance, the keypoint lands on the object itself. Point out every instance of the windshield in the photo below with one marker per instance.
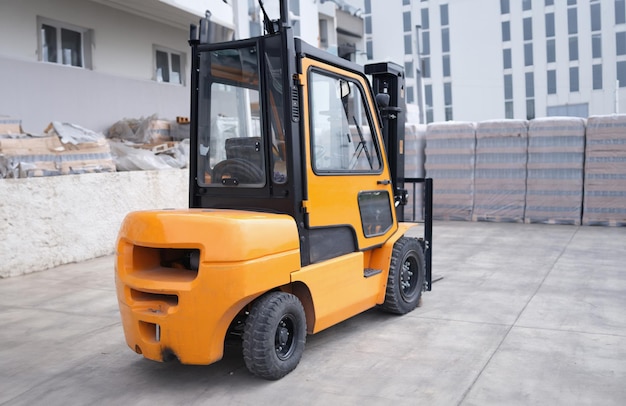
(230, 143)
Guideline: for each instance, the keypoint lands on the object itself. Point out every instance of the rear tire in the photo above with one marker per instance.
(406, 276)
(274, 335)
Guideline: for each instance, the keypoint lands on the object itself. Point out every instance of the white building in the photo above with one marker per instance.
(489, 59)
(94, 62)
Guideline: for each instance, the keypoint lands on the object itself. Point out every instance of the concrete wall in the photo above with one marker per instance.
(45, 222)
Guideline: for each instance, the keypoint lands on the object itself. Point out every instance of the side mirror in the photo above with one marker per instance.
(382, 100)
(343, 89)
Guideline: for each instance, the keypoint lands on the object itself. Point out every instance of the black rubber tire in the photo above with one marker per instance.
(406, 277)
(274, 335)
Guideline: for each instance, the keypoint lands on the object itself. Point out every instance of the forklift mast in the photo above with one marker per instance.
(388, 85)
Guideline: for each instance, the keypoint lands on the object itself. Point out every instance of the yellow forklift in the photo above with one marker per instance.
(296, 196)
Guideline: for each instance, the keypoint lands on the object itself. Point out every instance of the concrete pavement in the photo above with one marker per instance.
(524, 314)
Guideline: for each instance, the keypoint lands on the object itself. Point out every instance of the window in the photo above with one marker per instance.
(506, 58)
(573, 79)
(549, 2)
(428, 95)
(530, 109)
(409, 94)
(508, 87)
(504, 7)
(550, 25)
(620, 43)
(449, 116)
(508, 109)
(573, 48)
(571, 2)
(596, 46)
(168, 66)
(426, 67)
(550, 50)
(447, 94)
(443, 12)
(596, 18)
(368, 24)
(597, 77)
(528, 54)
(446, 65)
(425, 43)
(526, 4)
(530, 85)
(408, 69)
(368, 6)
(572, 20)
(64, 44)
(428, 100)
(408, 44)
(369, 49)
(528, 28)
(406, 2)
(445, 40)
(342, 140)
(552, 81)
(506, 31)
(232, 143)
(425, 22)
(406, 19)
(620, 12)
(621, 73)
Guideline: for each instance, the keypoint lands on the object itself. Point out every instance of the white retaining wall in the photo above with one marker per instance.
(49, 221)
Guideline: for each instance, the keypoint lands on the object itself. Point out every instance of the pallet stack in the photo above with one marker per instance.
(556, 155)
(605, 171)
(450, 151)
(414, 145)
(500, 183)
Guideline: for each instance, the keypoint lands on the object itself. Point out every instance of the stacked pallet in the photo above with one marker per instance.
(605, 171)
(65, 149)
(450, 149)
(500, 182)
(414, 144)
(556, 155)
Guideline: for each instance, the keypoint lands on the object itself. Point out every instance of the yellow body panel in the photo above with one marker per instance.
(338, 289)
(239, 261)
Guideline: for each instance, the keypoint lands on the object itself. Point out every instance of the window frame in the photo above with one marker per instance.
(86, 35)
(376, 152)
(169, 52)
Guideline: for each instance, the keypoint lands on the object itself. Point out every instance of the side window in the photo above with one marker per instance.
(340, 127)
(168, 66)
(63, 43)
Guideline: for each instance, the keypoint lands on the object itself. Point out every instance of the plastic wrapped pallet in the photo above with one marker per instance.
(554, 185)
(605, 171)
(28, 156)
(414, 157)
(500, 182)
(450, 154)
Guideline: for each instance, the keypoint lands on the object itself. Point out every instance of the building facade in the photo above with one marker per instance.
(491, 59)
(94, 62)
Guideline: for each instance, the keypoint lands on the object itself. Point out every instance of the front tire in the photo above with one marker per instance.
(406, 276)
(274, 335)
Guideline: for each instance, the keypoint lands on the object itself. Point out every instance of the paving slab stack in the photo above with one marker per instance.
(414, 157)
(605, 171)
(450, 155)
(500, 176)
(554, 184)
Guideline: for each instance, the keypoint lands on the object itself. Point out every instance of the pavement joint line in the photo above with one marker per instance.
(571, 331)
(508, 331)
